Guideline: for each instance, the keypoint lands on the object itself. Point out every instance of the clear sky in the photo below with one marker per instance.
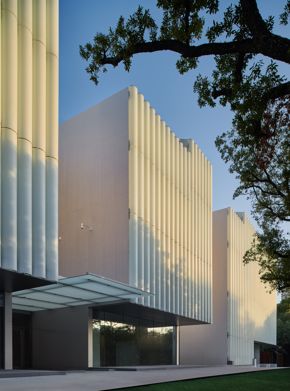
(155, 76)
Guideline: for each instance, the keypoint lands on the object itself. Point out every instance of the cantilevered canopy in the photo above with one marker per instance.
(87, 289)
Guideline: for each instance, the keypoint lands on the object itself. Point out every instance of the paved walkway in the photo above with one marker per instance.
(107, 380)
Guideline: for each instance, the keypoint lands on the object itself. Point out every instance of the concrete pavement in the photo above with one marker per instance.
(108, 380)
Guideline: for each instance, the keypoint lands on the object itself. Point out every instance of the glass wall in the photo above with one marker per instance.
(122, 344)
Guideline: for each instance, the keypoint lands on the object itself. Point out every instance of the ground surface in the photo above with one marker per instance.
(258, 381)
(107, 380)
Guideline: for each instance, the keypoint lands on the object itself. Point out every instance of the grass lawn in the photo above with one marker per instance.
(273, 380)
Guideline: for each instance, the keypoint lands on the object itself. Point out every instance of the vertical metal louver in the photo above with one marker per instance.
(170, 227)
(29, 137)
(251, 308)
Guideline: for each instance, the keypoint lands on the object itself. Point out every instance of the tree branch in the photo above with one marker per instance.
(278, 91)
(269, 181)
(268, 207)
(271, 45)
(221, 92)
(253, 19)
(276, 47)
(238, 74)
(215, 48)
(187, 14)
(254, 184)
(274, 185)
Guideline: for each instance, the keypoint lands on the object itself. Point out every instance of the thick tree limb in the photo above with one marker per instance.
(239, 68)
(275, 47)
(270, 44)
(253, 19)
(273, 93)
(215, 48)
(278, 91)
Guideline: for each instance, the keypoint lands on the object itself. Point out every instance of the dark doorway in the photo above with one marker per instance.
(1, 337)
(22, 341)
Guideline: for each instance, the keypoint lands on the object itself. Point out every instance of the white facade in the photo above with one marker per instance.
(251, 308)
(244, 310)
(29, 137)
(135, 205)
(170, 215)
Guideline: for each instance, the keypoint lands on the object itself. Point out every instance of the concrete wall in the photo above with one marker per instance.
(60, 339)
(93, 221)
(207, 344)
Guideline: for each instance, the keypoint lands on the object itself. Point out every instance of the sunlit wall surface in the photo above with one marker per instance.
(251, 308)
(135, 205)
(29, 137)
(170, 215)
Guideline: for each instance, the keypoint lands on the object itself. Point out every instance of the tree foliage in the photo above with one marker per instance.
(247, 79)
(283, 326)
(261, 163)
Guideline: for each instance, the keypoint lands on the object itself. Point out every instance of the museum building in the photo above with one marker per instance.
(134, 279)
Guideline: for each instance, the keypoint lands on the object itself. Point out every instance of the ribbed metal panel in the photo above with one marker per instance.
(158, 214)
(152, 215)
(24, 141)
(251, 309)
(133, 185)
(170, 215)
(38, 137)
(147, 199)
(51, 161)
(29, 39)
(9, 134)
(0, 133)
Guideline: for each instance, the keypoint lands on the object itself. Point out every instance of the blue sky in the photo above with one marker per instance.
(155, 76)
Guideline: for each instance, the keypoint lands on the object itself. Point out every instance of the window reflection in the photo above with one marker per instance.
(121, 344)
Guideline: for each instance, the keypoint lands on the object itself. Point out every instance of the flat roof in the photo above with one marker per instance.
(87, 289)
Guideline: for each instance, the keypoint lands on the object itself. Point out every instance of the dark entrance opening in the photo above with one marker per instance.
(1, 337)
(132, 335)
(121, 344)
(22, 341)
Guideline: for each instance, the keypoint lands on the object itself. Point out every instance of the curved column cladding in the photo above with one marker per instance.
(133, 182)
(39, 137)
(152, 216)
(162, 292)
(168, 216)
(51, 139)
(147, 200)
(170, 200)
(177, 228)
(140, 192)
(172, 220)
(0, 129)
(29, 36)
(158, 214)
(24, 158)
(9, 134)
